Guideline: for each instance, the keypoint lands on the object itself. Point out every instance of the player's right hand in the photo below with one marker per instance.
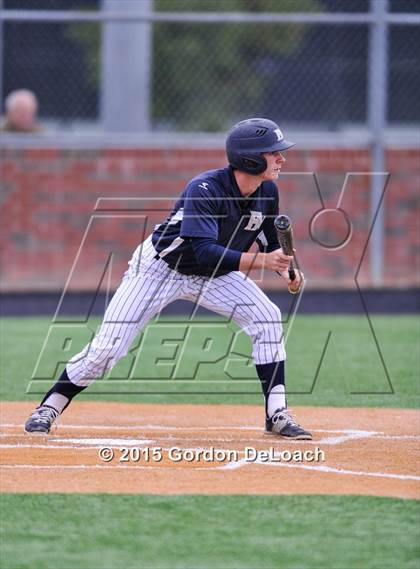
(277, 261)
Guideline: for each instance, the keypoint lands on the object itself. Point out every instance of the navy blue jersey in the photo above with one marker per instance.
(212, 206)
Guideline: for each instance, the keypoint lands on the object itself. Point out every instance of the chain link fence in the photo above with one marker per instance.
(340, 76)
(191, 75)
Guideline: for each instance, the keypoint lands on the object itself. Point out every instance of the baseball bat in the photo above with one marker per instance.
(283, 227)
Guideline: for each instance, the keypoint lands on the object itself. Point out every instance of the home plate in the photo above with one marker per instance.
(105, 442)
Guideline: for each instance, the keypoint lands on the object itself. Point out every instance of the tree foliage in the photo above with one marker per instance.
(205, 75)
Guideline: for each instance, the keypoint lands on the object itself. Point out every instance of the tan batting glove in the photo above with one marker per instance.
(296, 285)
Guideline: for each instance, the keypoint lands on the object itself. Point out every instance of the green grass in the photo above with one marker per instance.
(135, 531)
(164, 362)
(108, 531)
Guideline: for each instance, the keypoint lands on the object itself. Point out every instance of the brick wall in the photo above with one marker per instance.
(52, 220)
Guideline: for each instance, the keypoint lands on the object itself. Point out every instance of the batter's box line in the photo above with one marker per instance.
(346, 434)
(107, 467)
(161, 427)
(95, 442)
(230, 466)
(47, 446)
(322, 468)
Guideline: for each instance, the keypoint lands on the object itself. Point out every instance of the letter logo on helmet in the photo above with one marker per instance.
(248, 139)
(279, 134)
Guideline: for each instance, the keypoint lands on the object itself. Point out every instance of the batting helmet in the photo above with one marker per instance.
(248, 139)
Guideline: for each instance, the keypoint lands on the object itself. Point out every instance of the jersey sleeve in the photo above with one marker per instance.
(214, 256)
(267, 238)
(201, 207)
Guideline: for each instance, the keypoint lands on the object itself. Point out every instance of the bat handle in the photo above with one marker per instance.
(292, 273)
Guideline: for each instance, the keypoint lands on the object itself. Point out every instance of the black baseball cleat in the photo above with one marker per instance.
(41, 420)
(282, 424)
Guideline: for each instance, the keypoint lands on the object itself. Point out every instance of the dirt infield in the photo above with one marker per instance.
(354, 451)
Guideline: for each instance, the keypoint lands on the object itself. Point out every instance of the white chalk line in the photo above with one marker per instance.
(86, 467)
(226, 428)
(49, 447)
(176, 428)
(106, 442)
(75, 447)
(230, 466)
(321, 468)
(82, 444)
(347, 435)
(177, 441)
(399, 437)
(151, 427)
(351, 435)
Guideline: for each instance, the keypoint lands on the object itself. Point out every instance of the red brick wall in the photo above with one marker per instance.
(48, 198)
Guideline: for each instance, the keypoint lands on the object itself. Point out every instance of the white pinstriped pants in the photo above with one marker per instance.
(149, 285)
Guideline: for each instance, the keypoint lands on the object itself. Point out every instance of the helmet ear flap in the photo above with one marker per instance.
(254, 164)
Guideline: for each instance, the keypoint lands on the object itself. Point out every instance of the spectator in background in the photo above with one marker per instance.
(21, 113)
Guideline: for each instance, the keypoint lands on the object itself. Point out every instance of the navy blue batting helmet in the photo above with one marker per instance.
(248, 139)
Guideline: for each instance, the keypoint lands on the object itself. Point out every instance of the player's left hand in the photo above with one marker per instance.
(296, 285)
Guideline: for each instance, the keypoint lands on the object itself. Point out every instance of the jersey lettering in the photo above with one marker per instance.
(255, 221)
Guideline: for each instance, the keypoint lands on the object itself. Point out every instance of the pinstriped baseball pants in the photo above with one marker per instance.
(149, 285)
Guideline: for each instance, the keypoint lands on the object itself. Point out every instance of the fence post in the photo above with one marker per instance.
(377, 119)
(125, 66)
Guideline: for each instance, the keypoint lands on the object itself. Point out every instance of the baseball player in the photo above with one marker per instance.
(200, 253)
